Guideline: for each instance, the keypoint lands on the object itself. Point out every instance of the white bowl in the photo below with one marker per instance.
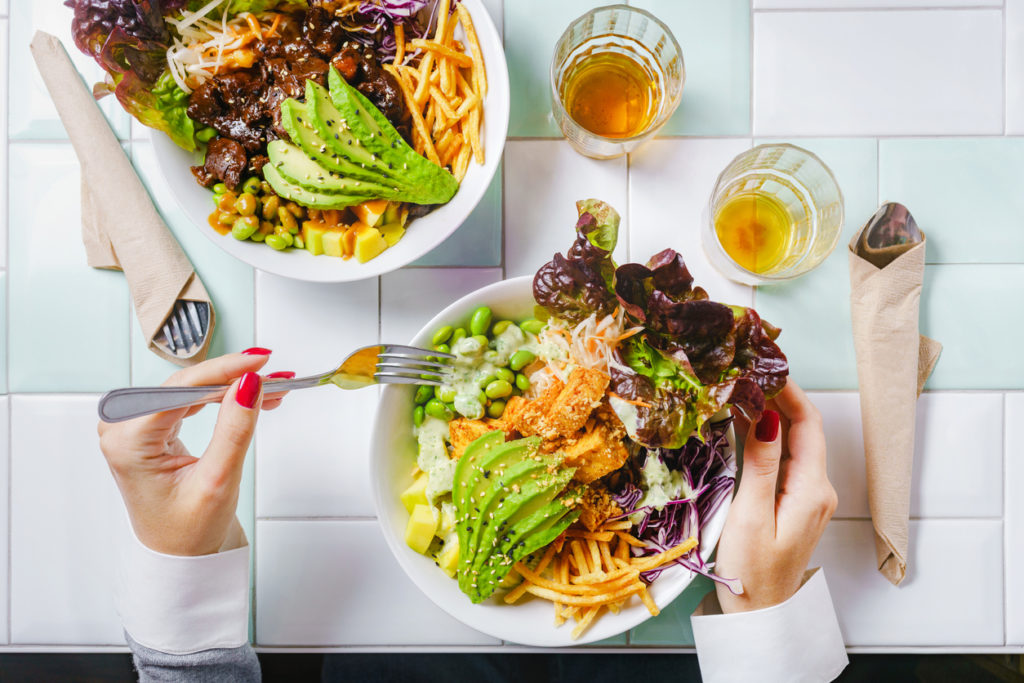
(393, 455)
(423, 234)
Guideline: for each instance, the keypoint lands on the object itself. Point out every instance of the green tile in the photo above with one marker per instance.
(974, 310)
(532, 27)
(228, 280)
(715, 40)
(814, 310)
(32, 114)
(965, 193)
(69, 322)
(477, 242)
(672, 626)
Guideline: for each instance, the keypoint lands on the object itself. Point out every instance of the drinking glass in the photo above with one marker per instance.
(628, 31)
(790, 177)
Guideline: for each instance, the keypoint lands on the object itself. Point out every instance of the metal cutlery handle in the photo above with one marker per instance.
(125, 404)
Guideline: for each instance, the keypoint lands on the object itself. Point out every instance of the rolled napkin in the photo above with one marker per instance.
(893, 362)
(121, 228)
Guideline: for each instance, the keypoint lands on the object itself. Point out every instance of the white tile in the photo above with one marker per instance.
(5, 489)
(412, 296)
(873, 73)
(4, 89)
(312, 452)
(543, 181)
(321, 583)
(35, 117)
(1015, 67)
(1014, 519)
(66, 515)
(952, 596)
(950, 427)
(869, 4)
(669, 185)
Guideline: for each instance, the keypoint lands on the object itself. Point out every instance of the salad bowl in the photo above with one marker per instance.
(527, 622)
(422, 235)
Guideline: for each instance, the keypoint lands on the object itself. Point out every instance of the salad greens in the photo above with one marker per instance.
(694, 356)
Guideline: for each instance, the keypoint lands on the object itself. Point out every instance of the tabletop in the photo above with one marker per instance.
(920, 101)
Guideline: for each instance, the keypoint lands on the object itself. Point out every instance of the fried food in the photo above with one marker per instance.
(597, 507)
(464, 432)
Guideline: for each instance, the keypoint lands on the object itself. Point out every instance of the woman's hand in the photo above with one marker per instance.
(180, 504)
(781, 508)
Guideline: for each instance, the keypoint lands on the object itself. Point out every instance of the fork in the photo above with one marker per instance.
(186, 326)
(377, 364)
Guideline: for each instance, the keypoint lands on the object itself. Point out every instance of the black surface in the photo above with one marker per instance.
(484, 668)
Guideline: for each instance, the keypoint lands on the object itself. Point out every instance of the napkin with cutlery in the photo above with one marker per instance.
(121, 228)
(893, 363)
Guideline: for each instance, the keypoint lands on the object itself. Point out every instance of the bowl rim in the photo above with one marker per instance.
(497, 111)
(537, 637)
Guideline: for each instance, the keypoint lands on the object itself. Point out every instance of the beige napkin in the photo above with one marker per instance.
(121, 228)
(893, 362)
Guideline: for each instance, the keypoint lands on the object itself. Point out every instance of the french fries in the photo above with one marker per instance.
(581, 573)
(444, 92)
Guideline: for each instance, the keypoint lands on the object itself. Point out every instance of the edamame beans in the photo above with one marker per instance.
(505, 374)
(220, 188)
(522, 382)
(532, 326)
(245, 205)
(437, 409)
(458, 335)
(417, 416)
(499, 388)
(442, 348)
(520, 359)
(244, 227)
(495, 410)
(445, 394)
(276, 242)
(480, 321)
(252, 186)
(482, 340)
(500, 327)
(442, 335)
(423, 394)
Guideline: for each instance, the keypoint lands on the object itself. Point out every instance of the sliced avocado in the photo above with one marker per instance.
(287, 189)
(520, 506)
(474, 451)
(341, 148)
(302, 168)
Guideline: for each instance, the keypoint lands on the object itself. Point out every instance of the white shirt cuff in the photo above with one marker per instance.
(795, 641)
(181, 605)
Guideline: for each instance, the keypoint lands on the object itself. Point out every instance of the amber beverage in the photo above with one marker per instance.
(776, 212)
(616, 77)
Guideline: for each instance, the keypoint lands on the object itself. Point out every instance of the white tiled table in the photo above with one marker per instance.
(911, 100)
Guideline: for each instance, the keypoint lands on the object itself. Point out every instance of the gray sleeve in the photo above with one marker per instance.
(237, 665)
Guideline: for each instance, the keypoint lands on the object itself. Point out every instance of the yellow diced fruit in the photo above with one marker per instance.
(313, 237)
(420, 530)
(392, 214)
(448, 558)
(416, 494)
(371, 212)
(391, 232)
(332, 242)
(369, 244)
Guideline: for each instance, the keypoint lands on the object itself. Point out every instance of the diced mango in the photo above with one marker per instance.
(391, 232)
(371, 212)
(448, 558)
(419, 532)
(392, 214)
(416, 494)
(369, 244)
(312, 236)
(332, 242)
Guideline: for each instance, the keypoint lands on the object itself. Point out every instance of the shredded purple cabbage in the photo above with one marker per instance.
(380, 16)
(708, 476)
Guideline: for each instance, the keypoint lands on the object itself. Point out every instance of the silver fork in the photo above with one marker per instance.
(377, 364)
(186, 327)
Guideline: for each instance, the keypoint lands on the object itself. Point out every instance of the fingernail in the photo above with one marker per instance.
(257, 351)
(767, 427)
(282, 374)
(248, 389)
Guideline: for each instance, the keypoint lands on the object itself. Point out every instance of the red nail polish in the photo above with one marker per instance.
(257, 351)
(767, 427)
(248, 389)
(282, 374)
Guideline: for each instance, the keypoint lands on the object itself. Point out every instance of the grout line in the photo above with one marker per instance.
(10, 510)
(314, 518)
(869, 10)
(751, 74)
(1006, 543)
